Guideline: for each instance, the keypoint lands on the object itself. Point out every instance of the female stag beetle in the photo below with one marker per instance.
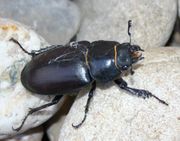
(58, 70)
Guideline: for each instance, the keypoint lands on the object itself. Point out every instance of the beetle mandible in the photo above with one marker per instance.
(58, 70)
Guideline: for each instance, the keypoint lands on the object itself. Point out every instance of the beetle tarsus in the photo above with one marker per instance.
(90, 96)
(32, 110)
(138, 92)
(78, 125)
(160, 100)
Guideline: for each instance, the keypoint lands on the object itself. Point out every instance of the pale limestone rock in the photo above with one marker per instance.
(34, 134)
(15, 100)
(54, 125)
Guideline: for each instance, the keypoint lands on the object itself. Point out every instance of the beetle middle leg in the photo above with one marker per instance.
(32, 110)
(90, 96)
(138, 92)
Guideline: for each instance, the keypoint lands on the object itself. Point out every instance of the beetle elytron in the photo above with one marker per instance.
(58, 70)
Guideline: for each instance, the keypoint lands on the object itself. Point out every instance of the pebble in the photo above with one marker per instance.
(152, 22)
(15, 100)
(56, 20)
(35, 134)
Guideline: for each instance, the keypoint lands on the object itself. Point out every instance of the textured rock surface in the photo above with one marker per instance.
(56, 122)
(53, 131)
(15, 100)
(107, 19)
(56, 20)
(116, 115)
(34, 134)
(175, 37)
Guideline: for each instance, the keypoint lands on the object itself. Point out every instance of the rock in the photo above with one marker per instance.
(152, 25)
(15, 100)
(56, 122)
(53, 131)
(56, 20)
(34, 134)
(175, 37)
(116, 115)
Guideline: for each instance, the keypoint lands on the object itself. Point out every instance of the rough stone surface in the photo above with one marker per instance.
(56, 20)
(15, 100)
(175, 37)
(34, 134)
(107, 19)
(56, 122)
(115, 115)
(53, 130)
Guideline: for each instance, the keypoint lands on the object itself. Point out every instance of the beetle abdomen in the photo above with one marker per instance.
(59, 75)
(55, 78)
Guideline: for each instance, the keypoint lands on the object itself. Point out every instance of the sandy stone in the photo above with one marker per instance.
(118, 116)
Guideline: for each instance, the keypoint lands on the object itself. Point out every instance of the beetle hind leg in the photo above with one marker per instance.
(138, 92)
(33, 110)
(90, 96)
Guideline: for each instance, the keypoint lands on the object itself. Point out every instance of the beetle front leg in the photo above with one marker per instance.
(32, 110)
(90, 96)
(138, 92)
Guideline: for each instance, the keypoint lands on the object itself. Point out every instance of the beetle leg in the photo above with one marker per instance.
(34, 52)
(42, 50)
(90, 96)
(138, 92)
(32, 110)
(16, 42)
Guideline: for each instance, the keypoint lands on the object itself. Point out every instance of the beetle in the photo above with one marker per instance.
(58, 70)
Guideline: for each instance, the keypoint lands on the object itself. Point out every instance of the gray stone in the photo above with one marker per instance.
(56, 20)
(116, 115)
(35, 134)
(153, 22)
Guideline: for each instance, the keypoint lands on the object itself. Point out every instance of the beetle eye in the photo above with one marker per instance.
(124, 67)
(135, 48)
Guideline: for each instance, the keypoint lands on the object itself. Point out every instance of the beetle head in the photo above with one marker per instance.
(127, 55)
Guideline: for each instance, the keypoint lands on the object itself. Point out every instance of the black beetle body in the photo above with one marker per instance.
(59, 70)
(67, 69)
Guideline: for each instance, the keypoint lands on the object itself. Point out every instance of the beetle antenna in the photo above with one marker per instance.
(16, 42)
(129, 27)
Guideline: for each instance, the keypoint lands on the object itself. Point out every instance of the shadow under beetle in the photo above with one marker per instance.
(58, 70)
